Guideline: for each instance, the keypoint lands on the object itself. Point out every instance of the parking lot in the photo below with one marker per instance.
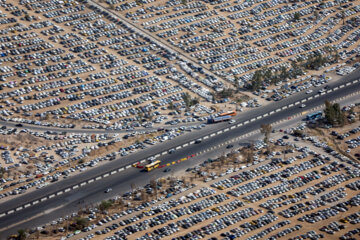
(299, 190)
(71, 64)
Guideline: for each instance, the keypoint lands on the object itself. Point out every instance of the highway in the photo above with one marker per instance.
(67, 202)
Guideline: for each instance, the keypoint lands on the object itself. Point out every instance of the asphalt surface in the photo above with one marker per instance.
(69, 202)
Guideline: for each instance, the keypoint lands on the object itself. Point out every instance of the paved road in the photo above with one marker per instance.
(92, 193)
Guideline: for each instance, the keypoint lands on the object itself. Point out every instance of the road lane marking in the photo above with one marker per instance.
(291, 105)
(206, 137)
(213, 134)
(192, 142)
(120, 169)
(19, 208)
(27, 205)
(98, 178)
(178, 147)
(59, 193)
(309, 98)
(226, 129)
(75, 187)
(51, 196)
(348, 83)
(341, 86)
(336, 88)
(128, 166)
(35, 202)
(157, 155)
(91, 180)
(232, 127)
(105, 175)
(163, 153)
(3, 214)
(83, 183)
(11, 211)
(186, 144)
(304, 100)
(113, 172)
(43, 199)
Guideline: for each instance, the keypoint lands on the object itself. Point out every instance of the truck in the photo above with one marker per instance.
(219, 119)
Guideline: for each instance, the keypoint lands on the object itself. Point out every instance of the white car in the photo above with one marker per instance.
(232, 121)
(309, 91)
(302, 105)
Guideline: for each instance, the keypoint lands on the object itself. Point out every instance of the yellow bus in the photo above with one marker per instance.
(152, 165)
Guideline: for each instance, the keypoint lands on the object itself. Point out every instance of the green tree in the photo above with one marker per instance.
(266, 130)
(297, 16)
(187, 99)
(81, 222)
(105, 205)
(333, 114)
(21, 234)
(256, 80)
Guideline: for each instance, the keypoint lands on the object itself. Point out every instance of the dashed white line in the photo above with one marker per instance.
(341, 86)
(52, 195)
(317, 95)
(91, 180)
(266, 114)
(67, 190)
(59, 193)
(11, 211)
(142, 161)
(246, 122)
(19, 208)
(75, 187)
(27, 205)
(213, 134)
(3, 214)
(291, 105)
(163, 153)
(43, 199)
(128, 166)
(98, 178)
(355, 81)
(226, 129)
(206, 137)
(232, 127)
(35, 202)
(192, 142)
(178, 147)
(309, 98)
(336, 88)
(113, 172)
(106, 175)
(348, 83)
(83, 183)
(304, 100)
(120, 169)
(258, 117)
(157, 155)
